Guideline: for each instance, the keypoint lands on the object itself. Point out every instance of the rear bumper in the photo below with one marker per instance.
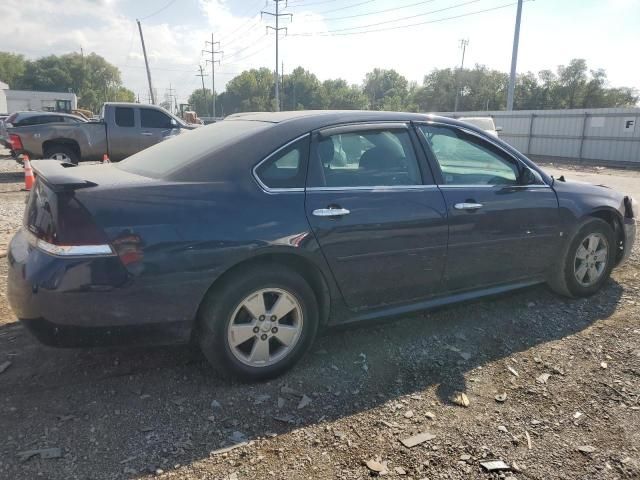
(629, 238)
(87, 301)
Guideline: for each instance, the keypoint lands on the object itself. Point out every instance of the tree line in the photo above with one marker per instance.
(90, 77)
(95, 81)
(479, 88)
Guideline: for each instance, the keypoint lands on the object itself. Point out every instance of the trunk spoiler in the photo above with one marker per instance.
(59, 175)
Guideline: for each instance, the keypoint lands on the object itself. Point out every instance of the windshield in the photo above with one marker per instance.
(171, 155)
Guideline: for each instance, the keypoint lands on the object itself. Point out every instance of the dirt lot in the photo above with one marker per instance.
(553, 388)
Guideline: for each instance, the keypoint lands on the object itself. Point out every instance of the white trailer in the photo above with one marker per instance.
(24, 100)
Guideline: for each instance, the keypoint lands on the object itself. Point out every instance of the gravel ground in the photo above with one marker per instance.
(552, 384)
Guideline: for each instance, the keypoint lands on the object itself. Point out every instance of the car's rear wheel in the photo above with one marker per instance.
(258, 323)
(587, 260)
(62, 153)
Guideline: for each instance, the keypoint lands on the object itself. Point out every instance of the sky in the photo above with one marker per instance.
(331, 38)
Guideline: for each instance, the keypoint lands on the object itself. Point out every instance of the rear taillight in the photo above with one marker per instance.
(75, 224)
(14, 140)
(62, 226)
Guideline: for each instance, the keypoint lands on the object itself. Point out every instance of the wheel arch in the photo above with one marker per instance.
(67, 142)
(614, 220)
(296, 262)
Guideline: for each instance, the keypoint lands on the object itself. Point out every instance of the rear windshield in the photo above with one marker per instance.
(177, 152)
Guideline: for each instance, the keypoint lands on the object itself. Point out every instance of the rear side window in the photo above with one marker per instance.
(124, 117)
(165, 158)
(287, 167)
(367, 158)
(150, 118)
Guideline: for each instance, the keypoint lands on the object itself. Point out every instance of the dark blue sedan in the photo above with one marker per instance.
(248, 235)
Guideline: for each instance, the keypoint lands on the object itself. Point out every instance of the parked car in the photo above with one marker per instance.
(30, 118)
(123, 129)
(484, 123)
(250, 234)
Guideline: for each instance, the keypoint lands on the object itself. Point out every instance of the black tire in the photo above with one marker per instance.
(61, 149)
(562, 279)
(220, 304)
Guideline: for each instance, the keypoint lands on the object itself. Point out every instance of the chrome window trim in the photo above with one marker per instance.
(486, 139)
(472, 185)
(275, 152)
(373, 188)
(103, 250)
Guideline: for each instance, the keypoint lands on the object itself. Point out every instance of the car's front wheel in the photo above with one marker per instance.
(587, 260)
(259, 322)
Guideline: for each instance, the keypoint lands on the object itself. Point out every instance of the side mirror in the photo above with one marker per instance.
(498, 129)
(529, 177)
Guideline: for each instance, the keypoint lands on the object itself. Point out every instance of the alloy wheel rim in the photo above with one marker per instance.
(591, 259)
(265, 327)
(60, 157)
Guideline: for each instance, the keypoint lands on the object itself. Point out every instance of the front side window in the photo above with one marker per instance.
(124, 117)
(467, 160)
(367, 158)
(286, 168)
(150, 118)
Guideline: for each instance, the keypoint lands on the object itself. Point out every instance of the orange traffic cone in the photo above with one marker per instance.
(28, 174)
(105, 158)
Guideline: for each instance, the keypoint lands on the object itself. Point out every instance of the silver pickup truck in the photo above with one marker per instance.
(123, 129)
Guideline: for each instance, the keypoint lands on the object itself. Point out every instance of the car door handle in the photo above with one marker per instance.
(331, 212)
(467, 206)
(146, 134)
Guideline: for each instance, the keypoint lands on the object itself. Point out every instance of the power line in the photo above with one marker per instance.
(237, 60)
(337, 9)
(387, 29)
(402, 18)
(305, 4)
(379, 11)
(232, 34)
(171, 2)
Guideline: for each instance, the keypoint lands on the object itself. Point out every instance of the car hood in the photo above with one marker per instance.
(584, 188)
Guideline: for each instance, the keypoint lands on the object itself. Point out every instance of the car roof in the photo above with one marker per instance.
(331, 117)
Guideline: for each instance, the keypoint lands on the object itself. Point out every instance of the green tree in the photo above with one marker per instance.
(302, 91)
(90, 77)
(11, 68)
(381, 84)
(342, 96)
(252, 90)
(200, 100)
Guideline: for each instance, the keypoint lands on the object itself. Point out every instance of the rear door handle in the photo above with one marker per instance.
(146, 134)
(467, 206)
(331, 212)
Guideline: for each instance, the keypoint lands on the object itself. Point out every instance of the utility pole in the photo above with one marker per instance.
(146, 62)
(277, 29)
(282, 85)
(171, 96)
(514, 58)
(204, 92)
(463, 46)
(213, 61)
(202, 75)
